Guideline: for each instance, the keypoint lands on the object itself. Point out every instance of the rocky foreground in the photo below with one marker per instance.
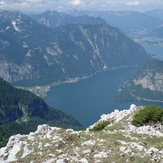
(119, 142)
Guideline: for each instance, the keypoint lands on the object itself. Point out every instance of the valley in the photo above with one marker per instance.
(88, 99)
(80, 85)
(67, 52)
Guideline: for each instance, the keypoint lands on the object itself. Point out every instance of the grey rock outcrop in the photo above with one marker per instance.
(52, 144)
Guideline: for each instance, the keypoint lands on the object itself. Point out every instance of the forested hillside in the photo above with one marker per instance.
(21, 112)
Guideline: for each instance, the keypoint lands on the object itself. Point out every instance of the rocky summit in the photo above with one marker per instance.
(118, 141)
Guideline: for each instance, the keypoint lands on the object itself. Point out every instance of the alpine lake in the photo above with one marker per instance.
(89, 98)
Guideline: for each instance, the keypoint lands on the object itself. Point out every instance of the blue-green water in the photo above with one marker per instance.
(88, 99)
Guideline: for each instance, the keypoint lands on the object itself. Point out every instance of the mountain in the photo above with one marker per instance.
(118, 141)
(158, 13)
(158, 32)
(22, 111)
(131, 22)
(145, 85)
(54, 19)
(33, 54)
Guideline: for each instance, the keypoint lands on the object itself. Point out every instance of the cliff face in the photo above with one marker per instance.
(151, 76)
(119, 141)
(15, 103)
(33, 54)
(146, 84)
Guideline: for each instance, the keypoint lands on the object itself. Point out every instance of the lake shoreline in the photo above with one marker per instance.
(42, 91)
(87, 100)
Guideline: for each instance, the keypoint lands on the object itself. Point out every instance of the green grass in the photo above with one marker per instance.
(100, 126)
(151, 114)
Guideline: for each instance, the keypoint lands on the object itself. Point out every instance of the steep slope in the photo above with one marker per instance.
(32, 54)
(146, 84)
(119, 141)
(20, 52)
(54, 19)
(21, 111)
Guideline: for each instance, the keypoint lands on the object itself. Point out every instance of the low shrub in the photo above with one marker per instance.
(100, 126)
(150, 115)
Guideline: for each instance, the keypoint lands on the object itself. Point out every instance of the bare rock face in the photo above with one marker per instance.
(150, 80)
(146, 84)
(119, 141)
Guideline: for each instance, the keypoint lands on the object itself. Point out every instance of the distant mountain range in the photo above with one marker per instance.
(54, 19)
(145, 85)
(158, 13)
(130, 22)
(158, 32)
(33, 54)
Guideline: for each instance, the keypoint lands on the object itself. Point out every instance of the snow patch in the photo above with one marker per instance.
(7, 28)
(15, 27)
(76, 57)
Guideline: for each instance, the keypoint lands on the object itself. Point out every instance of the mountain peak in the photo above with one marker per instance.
(7, 15)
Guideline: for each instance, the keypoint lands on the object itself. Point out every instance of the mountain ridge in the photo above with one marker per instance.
(44, 55)
(54, 19)
(130, 22)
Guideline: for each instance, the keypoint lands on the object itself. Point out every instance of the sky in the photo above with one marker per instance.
(61, 5)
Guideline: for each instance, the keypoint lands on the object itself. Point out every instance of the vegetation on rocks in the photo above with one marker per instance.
(118, 142)
(100, 126)
(150, 115)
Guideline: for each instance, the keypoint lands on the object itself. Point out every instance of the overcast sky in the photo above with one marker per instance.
(61, 5)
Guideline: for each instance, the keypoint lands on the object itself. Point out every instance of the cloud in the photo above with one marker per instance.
(2, 3)
(22, 4)
(135, 3)
(60, 7)
(34, 1)
(76, 2)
